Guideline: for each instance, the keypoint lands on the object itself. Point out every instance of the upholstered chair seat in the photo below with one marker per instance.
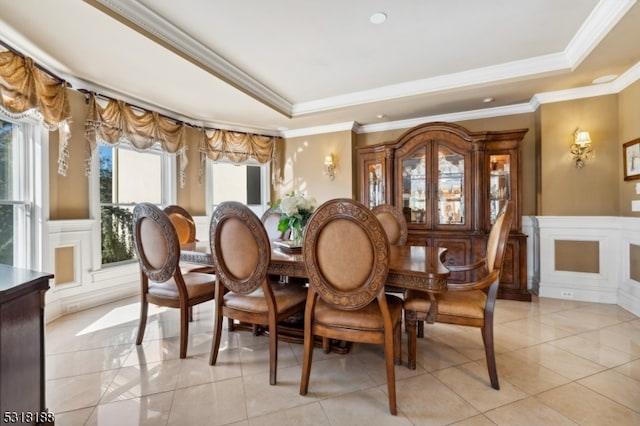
(469, 304)
(368, 318)
(287, 298)
(197, 284)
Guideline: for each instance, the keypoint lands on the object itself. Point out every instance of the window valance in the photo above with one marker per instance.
(117, 122)
(25, 89)
(236, 147)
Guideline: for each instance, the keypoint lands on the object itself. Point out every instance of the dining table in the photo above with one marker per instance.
(410, 267)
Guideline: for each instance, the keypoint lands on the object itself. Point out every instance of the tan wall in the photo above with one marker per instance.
(301, 160)
(192, 196)
(69, 195)
(592, 190)
(629, 129)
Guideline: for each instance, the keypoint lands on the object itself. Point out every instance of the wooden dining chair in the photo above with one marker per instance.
(395, 226)
(467, 304)
(270, 219)
(183, 222)
(346, 253)
(241, 254)
(393, 222)
(161, 279)
(186, 229)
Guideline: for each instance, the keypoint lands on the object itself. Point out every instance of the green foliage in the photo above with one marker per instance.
(117, 234)
(6, 235)
(6, 211)
(116, 222)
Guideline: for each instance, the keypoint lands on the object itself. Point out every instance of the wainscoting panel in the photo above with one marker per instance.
(629, 292)
(611, 283)
(90, 286)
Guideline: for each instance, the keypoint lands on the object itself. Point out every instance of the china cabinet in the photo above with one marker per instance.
(450, 184)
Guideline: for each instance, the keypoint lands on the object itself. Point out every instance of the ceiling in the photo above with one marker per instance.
(294, 67)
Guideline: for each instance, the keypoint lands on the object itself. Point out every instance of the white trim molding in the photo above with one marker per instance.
(90, 286)
(611, 284)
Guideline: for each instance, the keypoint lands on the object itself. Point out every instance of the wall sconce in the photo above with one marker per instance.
(581, 147)
(329, 166)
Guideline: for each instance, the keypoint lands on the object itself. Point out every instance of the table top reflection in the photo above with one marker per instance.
(411, 267)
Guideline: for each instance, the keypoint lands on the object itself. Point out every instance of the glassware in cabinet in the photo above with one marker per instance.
(414, 187)
(499, 183)
(376, 185)
(451, 183)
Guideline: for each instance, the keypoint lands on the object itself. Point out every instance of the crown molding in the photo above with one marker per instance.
(137, 14)
(602, 19)
(317, 130)
(452, 117)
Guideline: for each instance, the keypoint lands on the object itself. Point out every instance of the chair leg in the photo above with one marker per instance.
(273, 351)
(411, 325)
(217, 335)
(397, 344)
(326, 345)
(389, 353)
(307, 357)
(231, 325)
(487, 338)
(190, 313)
(144, 308)
(421, 329)
(185, 313)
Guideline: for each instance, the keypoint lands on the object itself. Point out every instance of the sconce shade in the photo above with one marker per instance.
(581, 148)
(583, 138)
(329, 166)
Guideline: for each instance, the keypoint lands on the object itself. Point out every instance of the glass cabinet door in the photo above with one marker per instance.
(375, 184)
(499, 183)
(414, 188)
(450, 187)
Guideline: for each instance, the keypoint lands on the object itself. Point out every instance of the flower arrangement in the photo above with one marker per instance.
(296, 211)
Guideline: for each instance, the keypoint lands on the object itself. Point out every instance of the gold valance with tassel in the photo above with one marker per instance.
(117, 122)
(236, 147)
(25, 89)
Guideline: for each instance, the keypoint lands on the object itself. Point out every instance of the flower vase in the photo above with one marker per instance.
(297, 235)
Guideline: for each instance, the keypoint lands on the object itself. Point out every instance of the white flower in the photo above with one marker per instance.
(306, 203)
(296, 211)
(289, 206)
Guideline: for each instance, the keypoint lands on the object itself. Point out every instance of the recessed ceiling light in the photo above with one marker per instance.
(378, 18)
(381, 116)
(488, 100)
(605, 79)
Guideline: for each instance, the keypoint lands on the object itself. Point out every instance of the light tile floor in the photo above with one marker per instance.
(559, 362)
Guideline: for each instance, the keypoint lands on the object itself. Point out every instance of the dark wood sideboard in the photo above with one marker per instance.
(22, 355)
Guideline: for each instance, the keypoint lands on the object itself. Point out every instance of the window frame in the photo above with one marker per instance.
(168, 192)
(265, 188)
(30, 170)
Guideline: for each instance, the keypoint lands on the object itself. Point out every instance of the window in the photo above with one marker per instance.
(128, 177)
(18, 140)
(245, 183)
